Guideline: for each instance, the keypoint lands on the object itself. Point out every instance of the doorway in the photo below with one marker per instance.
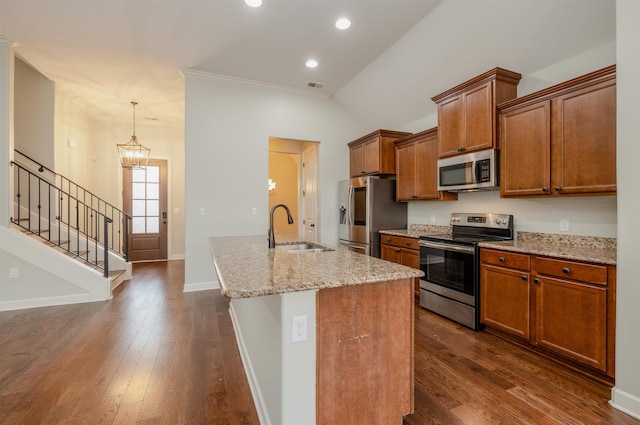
(145, 200)
(293, 176)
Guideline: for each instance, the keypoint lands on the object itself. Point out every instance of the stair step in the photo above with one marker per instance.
(56, 243)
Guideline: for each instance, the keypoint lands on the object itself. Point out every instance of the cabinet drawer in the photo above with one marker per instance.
(590, 273)
(505, 259)
(400, 241)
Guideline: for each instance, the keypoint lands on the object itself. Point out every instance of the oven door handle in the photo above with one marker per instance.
(448, 247)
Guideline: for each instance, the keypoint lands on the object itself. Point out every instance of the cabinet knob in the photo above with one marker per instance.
(397, 250)
(565, 270)
(523, 277)
(461, 149)
(501, 259)
(408, 243)
(558, 188)
(536, 281)
(545, 189)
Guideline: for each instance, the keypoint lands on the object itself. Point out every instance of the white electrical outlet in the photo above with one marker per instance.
(14, 273)
(433, 219)
(298, 328)
(564, 225)
(254, 211)
(203, 211)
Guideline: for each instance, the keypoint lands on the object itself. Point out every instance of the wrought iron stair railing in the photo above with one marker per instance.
(68, 216)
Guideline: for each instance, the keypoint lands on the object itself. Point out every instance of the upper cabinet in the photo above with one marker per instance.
(374, 153)
(416, 168)
(561, 140)
(467, 112)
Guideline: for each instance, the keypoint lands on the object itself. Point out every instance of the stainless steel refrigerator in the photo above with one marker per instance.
(366, 206)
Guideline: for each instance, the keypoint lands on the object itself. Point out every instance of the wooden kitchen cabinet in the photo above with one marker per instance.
(562, 140)
(374, 153)
(401, 250)
(467, 112)
(505, 292)
(417, 168)
(562, 307)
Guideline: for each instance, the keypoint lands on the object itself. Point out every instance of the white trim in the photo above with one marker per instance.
(45, 302)
(625, 402)
(200, 286)
(258, 400)
(177, 257)
(251, 83)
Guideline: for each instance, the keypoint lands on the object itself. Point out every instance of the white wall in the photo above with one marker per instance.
(165, 143)
(6, 130)
(73, 141)
(34, 114)
(626, 394)
(228, 126)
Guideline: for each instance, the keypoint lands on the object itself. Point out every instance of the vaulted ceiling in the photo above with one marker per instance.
(396, 55)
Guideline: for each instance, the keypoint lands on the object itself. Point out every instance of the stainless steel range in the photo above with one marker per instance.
(451, 264)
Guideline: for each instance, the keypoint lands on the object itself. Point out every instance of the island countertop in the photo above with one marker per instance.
(246, 268)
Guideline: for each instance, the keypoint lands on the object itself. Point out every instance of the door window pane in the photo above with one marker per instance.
(138, 191)
(153, 174)
(137, 207)
(153, 191)
(153, 208)
(153, 225)
(138, 225)
(138, 175)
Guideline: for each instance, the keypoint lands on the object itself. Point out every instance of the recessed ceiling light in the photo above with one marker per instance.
(311, 63)
(253, 3)
(343, 23)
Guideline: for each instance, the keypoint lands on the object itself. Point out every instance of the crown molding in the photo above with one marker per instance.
(189, 72)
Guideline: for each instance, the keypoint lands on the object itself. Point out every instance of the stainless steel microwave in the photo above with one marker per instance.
(469, 172)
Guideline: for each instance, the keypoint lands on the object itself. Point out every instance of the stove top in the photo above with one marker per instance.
(473, 228)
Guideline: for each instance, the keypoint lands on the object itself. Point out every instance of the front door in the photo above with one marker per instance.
(145, 199)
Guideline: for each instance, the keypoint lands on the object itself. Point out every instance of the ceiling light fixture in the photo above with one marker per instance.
(343, 23)
(133, 154)
(253, 3)
(311, 63)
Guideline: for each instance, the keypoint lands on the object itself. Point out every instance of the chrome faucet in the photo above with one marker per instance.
(272, 240)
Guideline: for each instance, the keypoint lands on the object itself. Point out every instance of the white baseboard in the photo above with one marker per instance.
(258, 400)
(177, 257)
(45, 302)
(625, 402)
(200, 286)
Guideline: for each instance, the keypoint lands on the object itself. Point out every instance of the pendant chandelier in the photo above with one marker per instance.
(133, 154)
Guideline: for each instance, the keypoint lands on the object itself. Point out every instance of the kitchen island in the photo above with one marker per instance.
(353, 318)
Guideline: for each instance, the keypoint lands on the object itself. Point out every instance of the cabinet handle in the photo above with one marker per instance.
(501, 259)
(523, 277)
(545, 189)
(408, 243)
(565, 270)
(558, 188)
(397, 250)
(536, 281)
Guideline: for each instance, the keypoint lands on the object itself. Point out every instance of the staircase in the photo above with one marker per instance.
(70, 220)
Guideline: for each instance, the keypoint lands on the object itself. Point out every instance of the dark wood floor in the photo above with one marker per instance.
(154, 355)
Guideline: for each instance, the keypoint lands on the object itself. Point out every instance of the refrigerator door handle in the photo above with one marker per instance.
(350, 220)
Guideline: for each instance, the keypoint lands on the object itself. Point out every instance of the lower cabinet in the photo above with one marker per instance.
(401, 250)
(562, 307)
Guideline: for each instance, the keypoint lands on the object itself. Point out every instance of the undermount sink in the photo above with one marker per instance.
(302, 248)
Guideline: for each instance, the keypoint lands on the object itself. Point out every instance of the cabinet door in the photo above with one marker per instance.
(390, 253)
(406, 172)
(479, 115)
(426, 175)
(356, 160)
(410, 258)
(525, 156)
(571, 319)
(450, 126)
(584, 140)
(505, 300)
(372, 156)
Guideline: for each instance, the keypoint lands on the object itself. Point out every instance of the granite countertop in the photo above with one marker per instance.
(579, 248)
(246, 268)
(417, 230)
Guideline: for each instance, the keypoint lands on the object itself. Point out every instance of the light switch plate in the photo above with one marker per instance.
(564, 225)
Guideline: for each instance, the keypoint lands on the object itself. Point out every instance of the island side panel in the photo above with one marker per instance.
(365, 353)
